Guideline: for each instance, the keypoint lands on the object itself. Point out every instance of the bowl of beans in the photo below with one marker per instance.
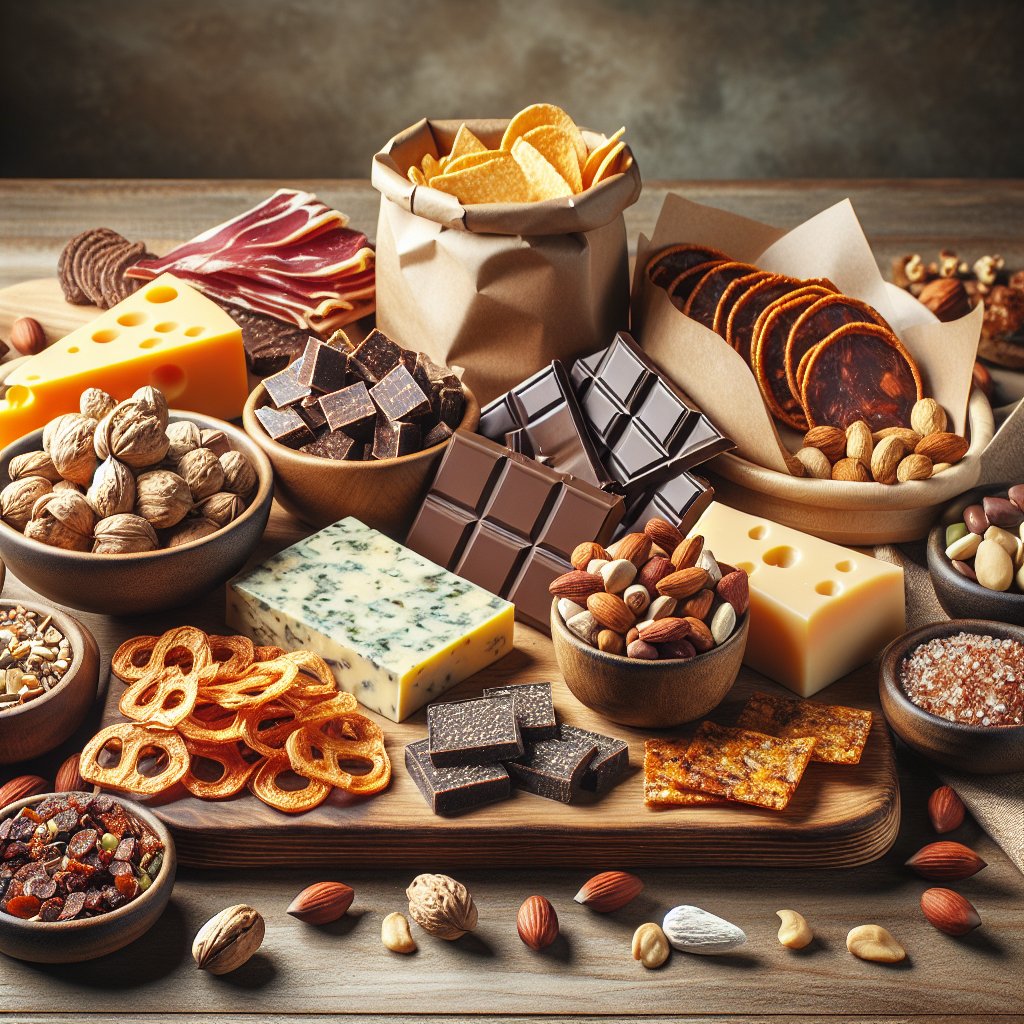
(954, 692)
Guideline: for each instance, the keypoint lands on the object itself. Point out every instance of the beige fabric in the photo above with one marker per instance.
(996, 801)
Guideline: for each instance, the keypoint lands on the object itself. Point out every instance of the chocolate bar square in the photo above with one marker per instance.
(473, 732)
(680, 501)
(350, 408)
(376, 357)
(553, 769)
(284, 387)
(324, 368)
(285, 426)
(453, 790)
(608, 766)
(398, 396)
(534, 709)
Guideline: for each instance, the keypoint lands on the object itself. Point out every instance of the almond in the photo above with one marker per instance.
(22, 786)
(633, 634)
(905, 434)
(699, 605)
(886, 458)
(322, 902)
(946, 297)
(815, 463)
(610, 611)
(946, 861)
(634, 546)
(653, 571)
(576, 585)
(684, 583)
(661, 631)
(663, 533)
(28, 336)
(852, 470)
(928, 417)
(949, 911)
(608, 891)
(945, 809)
(643, 650)
(69, 778)
(583, 554)
(942, 447)
(914, 467)
(734, 587)
(830, 440)
(859, 443)
(686, 553)
(537, 922)
(699, 634)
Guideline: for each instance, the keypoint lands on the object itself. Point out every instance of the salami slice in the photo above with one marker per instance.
(739, 327)
(665, 266)
(734, 291)
(682, 287)
(704, 299)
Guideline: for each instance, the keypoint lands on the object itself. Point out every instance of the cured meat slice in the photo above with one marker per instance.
(665, 266)
(703, 300)
(734, 291)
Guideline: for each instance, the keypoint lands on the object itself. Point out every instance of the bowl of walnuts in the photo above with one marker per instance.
(128, 507)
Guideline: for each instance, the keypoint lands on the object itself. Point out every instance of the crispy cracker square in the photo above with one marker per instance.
(663, 771)
(746, 766)
(841, 732)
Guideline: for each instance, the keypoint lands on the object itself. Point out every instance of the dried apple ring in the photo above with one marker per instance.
(268, 740)
(235, 770)
(130, 661)
(261, 683)
(264, 785)
(210, 723)
(135, 743)
(267, 653)
(327, 766)
(232, 655)
(162, 702)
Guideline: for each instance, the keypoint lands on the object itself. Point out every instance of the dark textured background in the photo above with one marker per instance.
(311, 88)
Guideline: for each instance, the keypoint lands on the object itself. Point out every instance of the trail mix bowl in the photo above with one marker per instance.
(81, 875)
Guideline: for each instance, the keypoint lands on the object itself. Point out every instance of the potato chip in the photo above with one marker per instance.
(609, 165)
(592, 162)
(465, 142)
(134, 743)
(500, 180)
(545, 181)
(556, 146)
(663, 774)
(430, 166)
(416, 176)
(544, 114)
(746, 766)
(235, 770)
(469, 160)
(265, 784)
(841, 732)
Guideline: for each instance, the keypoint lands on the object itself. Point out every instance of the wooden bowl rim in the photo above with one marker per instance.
(897, 650)
(264, 492)
(163, 881)
(82, 644)
(255, 432)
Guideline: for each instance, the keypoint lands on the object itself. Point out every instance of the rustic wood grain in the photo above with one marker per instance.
(311, 974)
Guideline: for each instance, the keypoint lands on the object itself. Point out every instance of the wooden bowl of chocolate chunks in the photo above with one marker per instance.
(358, 430)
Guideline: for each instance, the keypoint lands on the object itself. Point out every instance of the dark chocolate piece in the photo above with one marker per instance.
(478, 731)
(285, 388)
(608, 766)
(508, 523)
(534, 709)
(285, 426)
(350, 408)
(553, 769)
(451, 406)
(309, 409)
(680, 501)
(324, 368)
(336, 445)
(392, 439)
(270, 344)
(437, 434)
(377, 356)
(452, 790)
(398, 396)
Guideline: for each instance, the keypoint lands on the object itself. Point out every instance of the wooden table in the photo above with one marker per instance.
(306, 974)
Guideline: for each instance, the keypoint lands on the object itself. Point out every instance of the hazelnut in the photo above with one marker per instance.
(124, 534)
(162, 498)
(239, 474)
(18, 498)
(203, 473)
(28, 336)
(112, 491)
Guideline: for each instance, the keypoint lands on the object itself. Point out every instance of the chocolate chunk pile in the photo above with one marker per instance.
(476, 749)
(351, 402)
(91, 268)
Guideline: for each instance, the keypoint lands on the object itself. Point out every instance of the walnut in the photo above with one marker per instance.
(162, 498)
(222, 507)
(33, 464)
(949, 263)
(112, 491)
(62, 519)
(96, 403)
(124, 534)
(68, 441)
(203, 473)
(152, 403)
(216, 441)
(131, 434)
(18, 498)
(69, 485)
(239, 474)
(441, 906)
(184, 436)
(190, 530)
(915, 269)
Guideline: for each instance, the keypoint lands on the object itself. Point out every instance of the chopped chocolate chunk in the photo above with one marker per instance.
(378, 355)
(392, 439)
(324, 368)
(309, 409)
(553, 769)
(270, 344)
(451, 790)
(437, 435)
(451, 406)
(336, 445)
(608, 766)
(350, 407)
(285, 426)
(285, 388)
(478, 731)
(534, 709)
(399, 397)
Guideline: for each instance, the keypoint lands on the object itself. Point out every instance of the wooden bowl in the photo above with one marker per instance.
(46, 722)
(385, 495)
(151, 581)
(647, 694)
(980, 749)
(960, 597)
(67, 942)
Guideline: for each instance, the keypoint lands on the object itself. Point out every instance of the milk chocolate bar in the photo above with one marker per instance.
(609, 764)
(534, 709)
(473, 732)
(553, 769)
(508, 523)
(452, 790)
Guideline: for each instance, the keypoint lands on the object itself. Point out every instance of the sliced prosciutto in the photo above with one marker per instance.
(291, 257)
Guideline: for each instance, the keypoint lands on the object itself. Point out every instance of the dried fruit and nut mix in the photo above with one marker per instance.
(75, 856)
(969, 678)
(34, 656)
(117, 478)
(987, 546)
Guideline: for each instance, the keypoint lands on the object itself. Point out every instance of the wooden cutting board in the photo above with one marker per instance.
(43, 300)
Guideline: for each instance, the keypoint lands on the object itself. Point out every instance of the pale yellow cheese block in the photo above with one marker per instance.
(817, 610)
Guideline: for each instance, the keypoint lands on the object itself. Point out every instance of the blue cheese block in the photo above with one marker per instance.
(396, 629)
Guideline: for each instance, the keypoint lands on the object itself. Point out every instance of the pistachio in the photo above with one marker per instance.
(203, 473)
(63, 519)
(124, 534)
(222, 507)
(795, 932)
(239, 474)
(112, 491)
(441, 906)
(229, 939)
(395, 934)
(33, 464)
(69, 444)
(162, 498)
(18, 498)
(96, 403)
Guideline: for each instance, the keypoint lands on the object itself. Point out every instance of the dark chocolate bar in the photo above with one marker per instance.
(680, 501)
(284, 425)
(323, 368)
(452, 790)
(608, 766)
(350, 408)
(534, 709)
(553, 769)
(507, 523)
(473, 732)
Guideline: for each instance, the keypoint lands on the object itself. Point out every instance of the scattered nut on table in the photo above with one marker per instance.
(395, 934)
(441, 906)
(650, 945)
(795, 932)
(873, 942)
(229, 939)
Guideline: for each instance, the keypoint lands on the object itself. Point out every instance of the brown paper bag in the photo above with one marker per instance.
(500, 289)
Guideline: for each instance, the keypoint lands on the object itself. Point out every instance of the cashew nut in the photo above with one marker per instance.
(395, 934)
(795, 932)
(873, 942)
(650, 945)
